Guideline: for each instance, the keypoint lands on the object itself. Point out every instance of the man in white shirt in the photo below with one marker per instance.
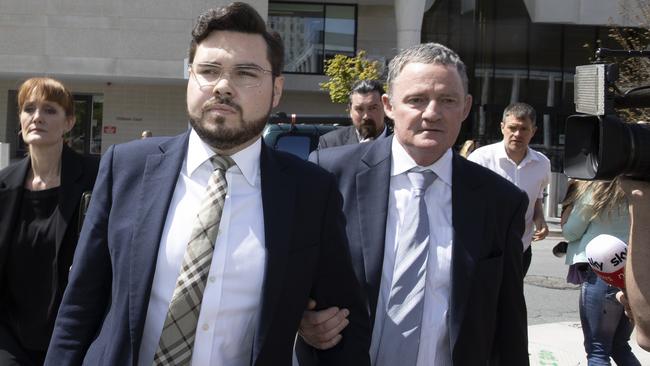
(526, 168)
(366, 113)
(169, 272)
(443, 279)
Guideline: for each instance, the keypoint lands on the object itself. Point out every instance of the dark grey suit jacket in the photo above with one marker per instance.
(341, 136)
(104, 308)
(487, 311)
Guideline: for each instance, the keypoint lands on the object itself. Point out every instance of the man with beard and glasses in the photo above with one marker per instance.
(366, 113)
(204, 248)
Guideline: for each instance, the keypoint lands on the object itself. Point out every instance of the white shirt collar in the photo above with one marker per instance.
(530, 156)
(402, 162)
(247, 160)
(381, 135)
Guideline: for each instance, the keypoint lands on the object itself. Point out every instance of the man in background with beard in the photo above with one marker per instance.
(204, 248)
(366, 113)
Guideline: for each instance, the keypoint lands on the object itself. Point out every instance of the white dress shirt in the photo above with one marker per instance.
(532, 175)
(232, 295)
(434, 348)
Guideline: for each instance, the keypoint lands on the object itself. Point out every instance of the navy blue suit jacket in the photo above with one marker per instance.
(487, 311)
(101, 318)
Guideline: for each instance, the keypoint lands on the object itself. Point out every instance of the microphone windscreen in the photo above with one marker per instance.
(607, 255)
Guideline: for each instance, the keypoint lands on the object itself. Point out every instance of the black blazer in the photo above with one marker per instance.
(487, 310)
(102, 316)
(77, 175)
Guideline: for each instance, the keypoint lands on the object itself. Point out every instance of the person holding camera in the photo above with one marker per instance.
(636, 299)
(598, 207)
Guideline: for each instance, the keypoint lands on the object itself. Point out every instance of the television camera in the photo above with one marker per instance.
(598, 145)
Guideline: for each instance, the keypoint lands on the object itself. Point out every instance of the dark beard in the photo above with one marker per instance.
(214, 132)
(368, 129)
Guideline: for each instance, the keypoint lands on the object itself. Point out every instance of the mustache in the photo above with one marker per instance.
(222, 100)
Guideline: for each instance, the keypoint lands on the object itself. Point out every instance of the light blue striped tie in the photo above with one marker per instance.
(400, 339)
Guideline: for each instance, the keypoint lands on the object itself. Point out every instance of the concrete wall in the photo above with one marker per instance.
(132, 52)
(130, 108)
(93, 39)
(587, 12)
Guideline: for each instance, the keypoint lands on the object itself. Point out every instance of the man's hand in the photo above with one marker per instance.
(541, 228)
(322, 329)
(620, 296)
(541, 232)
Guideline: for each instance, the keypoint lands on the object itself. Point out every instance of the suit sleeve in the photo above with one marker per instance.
(322, 142)
(87, 295)
(512, 325)
(337, 285)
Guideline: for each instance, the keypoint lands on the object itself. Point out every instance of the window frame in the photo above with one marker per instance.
(324, 19)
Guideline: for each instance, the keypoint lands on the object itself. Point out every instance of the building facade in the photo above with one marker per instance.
(126, 61)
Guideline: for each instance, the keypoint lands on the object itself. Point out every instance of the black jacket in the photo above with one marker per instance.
(77, 176)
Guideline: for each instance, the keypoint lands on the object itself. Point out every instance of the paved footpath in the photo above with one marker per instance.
(560, 344)
(554, 332)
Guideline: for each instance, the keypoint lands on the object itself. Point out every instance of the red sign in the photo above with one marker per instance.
(110, 130)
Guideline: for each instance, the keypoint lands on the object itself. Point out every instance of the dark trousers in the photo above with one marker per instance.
(528, 256)
(12, 352)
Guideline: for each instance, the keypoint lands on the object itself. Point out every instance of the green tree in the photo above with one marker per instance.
(343, 71)
(634, 72)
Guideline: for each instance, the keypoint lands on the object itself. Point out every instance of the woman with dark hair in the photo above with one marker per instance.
(40, 199)
(594, 208)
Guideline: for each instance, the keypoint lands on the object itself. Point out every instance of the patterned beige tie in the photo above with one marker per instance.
(177, 338)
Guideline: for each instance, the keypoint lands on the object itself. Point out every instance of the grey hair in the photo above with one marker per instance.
(520, 111)
(426, 53)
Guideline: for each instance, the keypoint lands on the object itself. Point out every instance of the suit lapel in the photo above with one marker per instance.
(278, 197)
(352, 137)
(11, 193)
(372, 184)
(70, 194)
(468, 212)
(161, 174)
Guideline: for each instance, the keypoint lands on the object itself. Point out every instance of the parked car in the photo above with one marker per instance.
(299, 133)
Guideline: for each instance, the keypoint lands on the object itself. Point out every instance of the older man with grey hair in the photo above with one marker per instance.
(435, 239)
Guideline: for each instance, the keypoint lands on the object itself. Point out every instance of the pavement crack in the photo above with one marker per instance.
(551, 282)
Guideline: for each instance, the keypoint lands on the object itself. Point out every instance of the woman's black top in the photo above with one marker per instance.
(30, 291)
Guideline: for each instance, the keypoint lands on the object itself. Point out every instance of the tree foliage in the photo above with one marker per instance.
(343, 71)
(634, 72)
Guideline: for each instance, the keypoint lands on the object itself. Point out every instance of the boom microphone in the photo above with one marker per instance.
(607, 255)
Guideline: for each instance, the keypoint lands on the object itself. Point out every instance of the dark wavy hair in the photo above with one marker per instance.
(238, 17)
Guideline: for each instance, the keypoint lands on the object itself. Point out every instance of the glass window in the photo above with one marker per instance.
(295, 144)
(312, 33)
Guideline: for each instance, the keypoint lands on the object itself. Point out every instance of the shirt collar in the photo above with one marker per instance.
(247, 160)
(402, 162)
(530, 156)
(381, 135)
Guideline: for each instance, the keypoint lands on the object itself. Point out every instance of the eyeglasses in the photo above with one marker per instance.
(207, 74)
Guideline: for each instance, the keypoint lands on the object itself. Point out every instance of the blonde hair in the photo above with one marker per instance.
(467, 148)
(605, 195)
